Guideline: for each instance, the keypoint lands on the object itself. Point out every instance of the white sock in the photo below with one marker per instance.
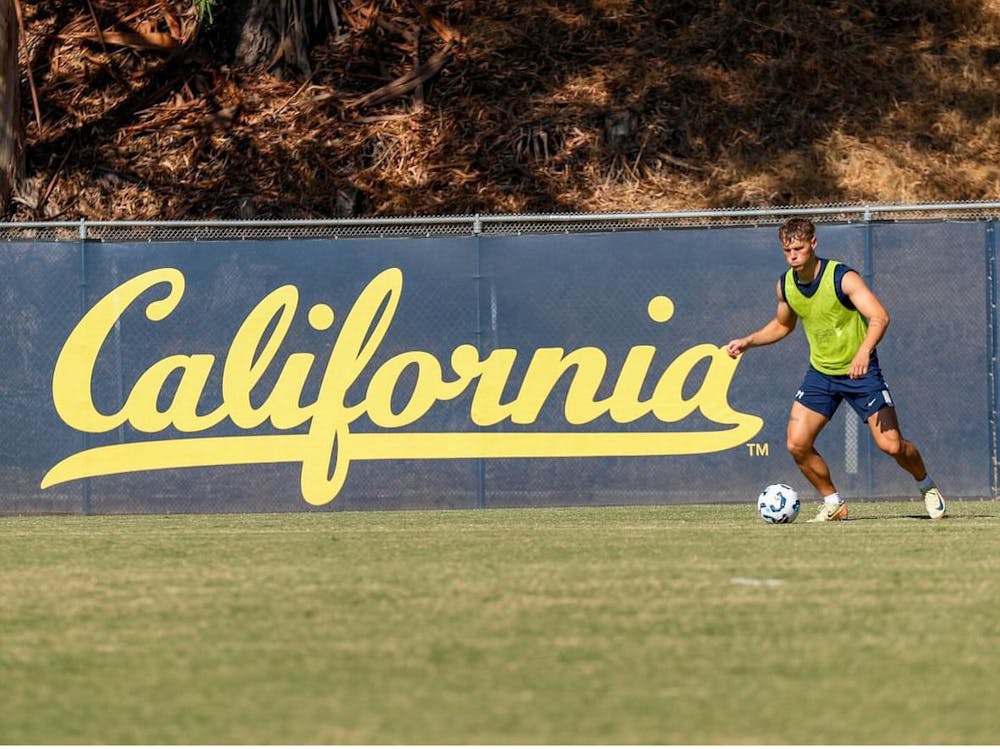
(926, 484)
(833, 499)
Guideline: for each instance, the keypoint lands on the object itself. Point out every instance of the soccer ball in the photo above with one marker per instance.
(778, 503)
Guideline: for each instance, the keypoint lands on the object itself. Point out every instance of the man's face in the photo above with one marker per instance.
(800, 252)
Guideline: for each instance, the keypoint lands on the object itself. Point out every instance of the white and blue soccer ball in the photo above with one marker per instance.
(778, 503)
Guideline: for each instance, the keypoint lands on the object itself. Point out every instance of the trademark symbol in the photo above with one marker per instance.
(757, 449)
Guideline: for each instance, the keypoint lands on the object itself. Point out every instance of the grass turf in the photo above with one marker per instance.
(685, 625)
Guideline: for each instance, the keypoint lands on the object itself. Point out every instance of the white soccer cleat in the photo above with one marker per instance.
(934, 503)
(828, 513)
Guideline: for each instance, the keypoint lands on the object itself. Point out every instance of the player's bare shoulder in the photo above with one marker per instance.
(852, 281)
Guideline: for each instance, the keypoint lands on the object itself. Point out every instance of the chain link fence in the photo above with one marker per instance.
(437, 226)
(552, 319)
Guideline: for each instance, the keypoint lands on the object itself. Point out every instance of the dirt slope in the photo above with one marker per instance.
(505, 106)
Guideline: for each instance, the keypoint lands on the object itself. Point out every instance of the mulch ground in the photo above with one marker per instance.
(134, 110)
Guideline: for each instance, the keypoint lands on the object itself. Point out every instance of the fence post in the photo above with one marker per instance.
(870, 280)
(993, 348)
(477, 231)
(84, 439)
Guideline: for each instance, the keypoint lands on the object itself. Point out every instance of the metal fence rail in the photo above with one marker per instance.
(478, 224)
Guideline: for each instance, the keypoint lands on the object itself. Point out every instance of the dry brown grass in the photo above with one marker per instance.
(536, 106)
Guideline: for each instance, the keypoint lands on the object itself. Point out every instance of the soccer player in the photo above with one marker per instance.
(843, 321)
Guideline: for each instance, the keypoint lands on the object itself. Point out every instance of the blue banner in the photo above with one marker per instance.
(479, 371)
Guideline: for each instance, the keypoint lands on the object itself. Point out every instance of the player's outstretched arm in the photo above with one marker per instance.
(780, 326)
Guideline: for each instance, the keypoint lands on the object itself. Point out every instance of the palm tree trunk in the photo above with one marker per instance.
(277, 32)
(10, 109)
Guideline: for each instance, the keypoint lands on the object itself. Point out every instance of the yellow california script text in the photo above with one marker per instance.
(326, 448)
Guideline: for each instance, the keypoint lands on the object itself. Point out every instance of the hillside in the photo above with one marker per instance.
(459, 107)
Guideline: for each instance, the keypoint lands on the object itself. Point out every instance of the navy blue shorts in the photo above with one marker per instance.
(823, 393)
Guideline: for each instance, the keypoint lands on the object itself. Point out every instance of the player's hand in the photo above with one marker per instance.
(736, 347)
(859, 365)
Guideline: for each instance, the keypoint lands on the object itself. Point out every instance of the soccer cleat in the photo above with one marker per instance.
(828, 513)
(934, 503)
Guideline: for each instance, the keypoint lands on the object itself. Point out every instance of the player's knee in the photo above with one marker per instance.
(798, 449)
(892, 447)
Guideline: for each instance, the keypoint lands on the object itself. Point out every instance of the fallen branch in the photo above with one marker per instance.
(153, 41)
(405, 83)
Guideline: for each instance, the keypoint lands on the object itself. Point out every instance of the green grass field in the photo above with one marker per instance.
(653, 625)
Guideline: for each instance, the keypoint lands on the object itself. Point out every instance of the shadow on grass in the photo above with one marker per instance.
(951, 518)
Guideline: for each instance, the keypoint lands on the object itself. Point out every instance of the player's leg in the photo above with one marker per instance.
(884, 427)
(804, 425)
(885, 431)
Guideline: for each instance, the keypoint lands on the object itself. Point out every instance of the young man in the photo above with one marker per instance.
(843, 321)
